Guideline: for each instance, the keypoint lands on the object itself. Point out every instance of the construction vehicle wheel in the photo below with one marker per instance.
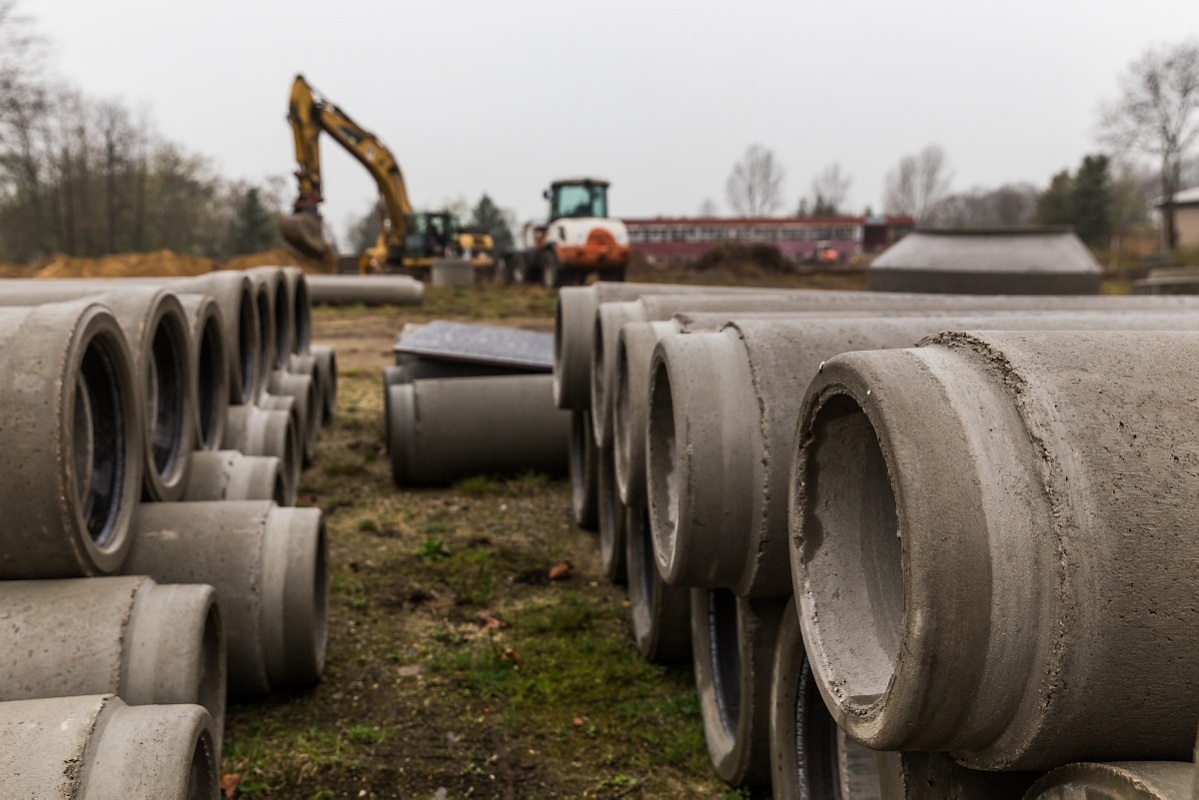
(551, 271)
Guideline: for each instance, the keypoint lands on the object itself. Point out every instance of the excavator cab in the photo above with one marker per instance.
(579, 199)
(430, 234)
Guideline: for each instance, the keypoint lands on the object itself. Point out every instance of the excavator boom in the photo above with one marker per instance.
(310, 115)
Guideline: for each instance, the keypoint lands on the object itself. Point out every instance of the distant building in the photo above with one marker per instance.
(797, 238)
(1186, 217)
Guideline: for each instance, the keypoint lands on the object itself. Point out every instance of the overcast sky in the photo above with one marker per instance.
(659, 97)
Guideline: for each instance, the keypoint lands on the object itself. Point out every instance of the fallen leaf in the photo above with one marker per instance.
(490, 621)
(229, 782)
(410, 670)
(510, 655)
(561, 571)
(578, 722)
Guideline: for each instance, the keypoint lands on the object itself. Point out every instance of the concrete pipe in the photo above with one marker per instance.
(150, 643)
(1128, 780)
(301, 309)
(584, 472)
(1020, 589)
(306, 365)
(732, 645)
(308, 404)
(376, 290)
(160, 337)
(255, 431)
(210, 401)
(634, 351)
(95, 746)
(270, 567)
(229, 475)
(281, 311)
(574, 328)
(73, 450)
(660, 614)
(936, 776)
(443, 430)
(326, 368)
(810, 756)
(264, 315)
(721, 421)
(611, 513)
(234, 293)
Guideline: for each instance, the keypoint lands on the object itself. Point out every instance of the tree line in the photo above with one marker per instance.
(85, 176)
(1154, 116)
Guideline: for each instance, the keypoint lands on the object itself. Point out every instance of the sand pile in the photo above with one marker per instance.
(159, 264)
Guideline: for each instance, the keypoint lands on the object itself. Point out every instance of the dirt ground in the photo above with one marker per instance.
(456, 668)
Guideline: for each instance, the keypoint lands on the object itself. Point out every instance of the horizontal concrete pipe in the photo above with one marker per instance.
(369, 290)
(271, 280)
(326, 370)
(660, 614)
(232, 291)
(269, 565)
(732, 645)
(308, 406)
(73, 453)
(574, 330)
(151, 643)
(159, 336)
(584, 472)
(96, 746)
(611, 513)
(1045, 588)
(210, 398)
(443, 430)
(300, 314)
(1129, 780)
(721, 422)
(229, 475)
(255, 431)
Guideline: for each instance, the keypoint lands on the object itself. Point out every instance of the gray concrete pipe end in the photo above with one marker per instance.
(210, 401)
(634, 351)
(326, 366)
(169, 376)
(574, 317)
(732, 641)
(75, 450)
(230, 475)
(295, 581)
(96, 746)
(584, 472)
(1125, 780)
(660, 614)
(700, 445)
(609, 319)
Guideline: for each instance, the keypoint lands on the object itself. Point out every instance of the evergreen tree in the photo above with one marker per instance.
(1055, 205)
(254, 227)
(1091, 201)
(487, 216)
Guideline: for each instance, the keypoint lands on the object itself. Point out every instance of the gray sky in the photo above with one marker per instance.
(659, 97)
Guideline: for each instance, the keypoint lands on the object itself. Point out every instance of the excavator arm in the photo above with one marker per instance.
(310, 115)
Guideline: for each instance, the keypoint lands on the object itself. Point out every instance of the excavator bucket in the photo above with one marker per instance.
(303, 231)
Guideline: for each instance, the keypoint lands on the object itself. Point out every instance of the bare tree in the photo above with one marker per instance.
(755, 186)
(830, 189)
(1009, 205)
(1157, 114)
(918, 184)
(708, 208)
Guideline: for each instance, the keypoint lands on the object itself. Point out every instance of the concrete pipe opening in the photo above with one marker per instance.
(166, 398)
(202, 783)
(266, 327)
(662, 458)
(854, 556)
(279, 491)
(246, 355)
(622, 414)
(296, 595)
(597, 371)
(213, 677)
(302, 314)
(583, 478)
(210, 385)
(724, 652)
(282, 325)
(99, 440)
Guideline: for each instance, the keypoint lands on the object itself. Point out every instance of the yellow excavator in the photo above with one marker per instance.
(409, 241)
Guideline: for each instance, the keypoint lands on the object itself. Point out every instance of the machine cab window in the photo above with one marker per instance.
(578, 199)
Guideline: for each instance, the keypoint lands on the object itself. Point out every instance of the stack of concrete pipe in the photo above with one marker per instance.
(151, 563)
(963, 537)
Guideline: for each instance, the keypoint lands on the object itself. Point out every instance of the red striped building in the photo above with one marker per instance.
(798, 238)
